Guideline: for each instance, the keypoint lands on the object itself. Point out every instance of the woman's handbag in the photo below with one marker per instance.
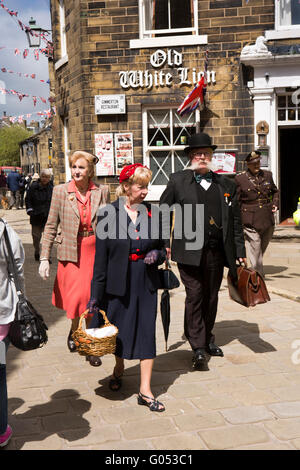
(90, 345)
(249, 289)
(28, 330)
(167, 279)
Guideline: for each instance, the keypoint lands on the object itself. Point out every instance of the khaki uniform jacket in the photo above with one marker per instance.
(64, 211)
(257, 195)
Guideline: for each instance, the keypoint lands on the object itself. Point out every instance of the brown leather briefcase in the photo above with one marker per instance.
(250, 288)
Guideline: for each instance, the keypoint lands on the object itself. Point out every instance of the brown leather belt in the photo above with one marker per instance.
(257, 202)
(85, 233)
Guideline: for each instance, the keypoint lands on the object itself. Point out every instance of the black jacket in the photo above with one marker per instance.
(182, 190)
(37, 201)
(112, 253)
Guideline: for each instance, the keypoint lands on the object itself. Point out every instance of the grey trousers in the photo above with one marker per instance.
(36, 232)
(256, 245)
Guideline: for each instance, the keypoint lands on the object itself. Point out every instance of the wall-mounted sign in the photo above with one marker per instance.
(124, 150)
(224, 161)
(171, 58)
(110, 104)
(104, 150)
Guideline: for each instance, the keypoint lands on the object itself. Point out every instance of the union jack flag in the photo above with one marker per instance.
(197, 95)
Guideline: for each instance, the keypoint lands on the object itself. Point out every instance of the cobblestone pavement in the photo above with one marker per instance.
(250, 399)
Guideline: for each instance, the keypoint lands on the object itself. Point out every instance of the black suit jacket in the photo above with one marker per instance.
(182, 189)
(112, 253)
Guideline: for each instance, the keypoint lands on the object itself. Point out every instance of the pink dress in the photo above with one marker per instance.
(73, 280)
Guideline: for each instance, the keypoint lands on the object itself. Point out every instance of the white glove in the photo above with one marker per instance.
(44, 269)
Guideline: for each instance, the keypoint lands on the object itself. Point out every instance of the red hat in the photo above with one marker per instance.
(128, 171)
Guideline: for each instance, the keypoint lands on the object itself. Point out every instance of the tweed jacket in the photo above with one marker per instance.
(64, 211)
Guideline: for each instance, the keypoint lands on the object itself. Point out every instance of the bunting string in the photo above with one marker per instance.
(47, 113)
(22, 95)
(21, 74)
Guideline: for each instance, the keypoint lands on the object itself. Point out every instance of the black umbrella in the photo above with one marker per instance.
(165, 313)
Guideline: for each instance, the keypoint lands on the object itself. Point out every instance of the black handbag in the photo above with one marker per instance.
(28, 330)
(167, 279)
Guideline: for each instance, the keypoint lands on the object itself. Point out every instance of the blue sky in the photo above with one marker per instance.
(12, 37)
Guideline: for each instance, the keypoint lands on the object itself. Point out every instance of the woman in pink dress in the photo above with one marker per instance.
(72, 224)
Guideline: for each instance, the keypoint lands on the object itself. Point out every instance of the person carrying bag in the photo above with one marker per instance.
(8, 303)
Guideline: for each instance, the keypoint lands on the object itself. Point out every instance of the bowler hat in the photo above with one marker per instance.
(253, 156)
(200, 140)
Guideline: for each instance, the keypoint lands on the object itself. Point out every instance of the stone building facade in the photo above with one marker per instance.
(36, 151)
(141, 58)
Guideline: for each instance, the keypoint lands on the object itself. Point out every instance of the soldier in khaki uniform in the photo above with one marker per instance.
(259, 200)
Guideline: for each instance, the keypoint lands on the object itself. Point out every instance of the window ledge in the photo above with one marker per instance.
(168, 41)
(282, 34)
(61, 62)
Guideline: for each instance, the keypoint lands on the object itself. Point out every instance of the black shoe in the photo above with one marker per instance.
(94, 361)
(214, 350)
(199, 358)
(36, 256)
(70, 342)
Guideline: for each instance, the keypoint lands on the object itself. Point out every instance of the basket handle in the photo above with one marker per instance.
(85, 314)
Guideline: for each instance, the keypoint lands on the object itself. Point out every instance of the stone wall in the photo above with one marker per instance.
(98, 35)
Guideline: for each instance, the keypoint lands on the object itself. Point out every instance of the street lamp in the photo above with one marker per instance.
(34, 40)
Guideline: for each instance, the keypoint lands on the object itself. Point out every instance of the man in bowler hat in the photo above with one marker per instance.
(201, 268)
(259, 200)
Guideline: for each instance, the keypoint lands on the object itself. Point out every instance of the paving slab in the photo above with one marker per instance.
(249, 399)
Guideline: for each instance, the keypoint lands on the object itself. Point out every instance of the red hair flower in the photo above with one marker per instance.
(128, 171)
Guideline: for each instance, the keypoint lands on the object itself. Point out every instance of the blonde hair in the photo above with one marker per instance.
(142, 176)
(91, 160)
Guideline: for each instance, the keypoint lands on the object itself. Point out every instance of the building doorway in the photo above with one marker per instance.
(289, 164)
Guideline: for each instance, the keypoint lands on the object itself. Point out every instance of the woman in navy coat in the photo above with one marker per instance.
(129, 248)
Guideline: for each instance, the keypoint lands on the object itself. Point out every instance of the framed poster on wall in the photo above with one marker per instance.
(124, 150)
(224, 161)
(104, 150)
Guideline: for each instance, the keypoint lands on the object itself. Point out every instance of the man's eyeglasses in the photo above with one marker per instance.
(199, 153)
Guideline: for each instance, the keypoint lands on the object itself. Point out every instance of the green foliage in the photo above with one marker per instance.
(10, 137)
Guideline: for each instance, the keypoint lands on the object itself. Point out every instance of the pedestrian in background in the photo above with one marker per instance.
(74, 207)
(22, 187)
(37, 201)
(200, 265)
(3, 184)
(13, 180)
(259, 200)
(8, 303)
(125, 279)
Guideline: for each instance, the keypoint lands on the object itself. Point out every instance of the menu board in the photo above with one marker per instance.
(123, 150)
(224, 161)
(104, 150)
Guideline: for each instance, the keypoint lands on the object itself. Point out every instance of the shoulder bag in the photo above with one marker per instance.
(167, 279)
(28, 330)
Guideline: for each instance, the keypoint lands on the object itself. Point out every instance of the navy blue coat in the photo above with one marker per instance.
(112, 253)
(13, 179)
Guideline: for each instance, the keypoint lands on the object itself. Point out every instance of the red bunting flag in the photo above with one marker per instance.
(25, 53)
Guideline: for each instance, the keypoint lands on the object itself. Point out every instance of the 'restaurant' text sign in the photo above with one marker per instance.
(110, 104)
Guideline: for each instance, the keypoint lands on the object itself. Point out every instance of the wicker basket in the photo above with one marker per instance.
(89, 345)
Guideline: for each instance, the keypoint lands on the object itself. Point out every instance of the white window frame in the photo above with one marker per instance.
(282, 31)
(155, 191)
(66, 149)
(63, 37)
(296, 108)
(278, 9)
(167, 41)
